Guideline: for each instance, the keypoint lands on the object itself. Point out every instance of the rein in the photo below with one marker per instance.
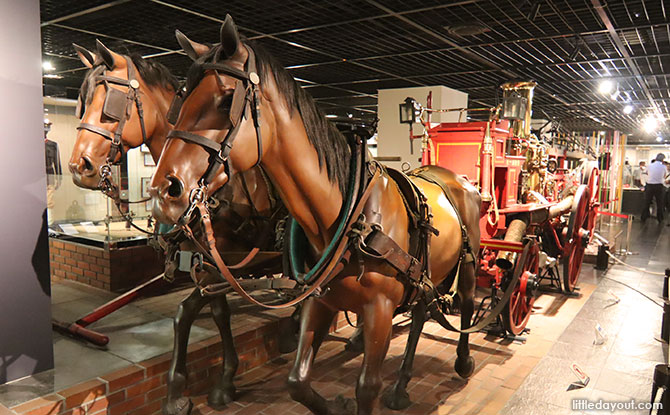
(334, 258)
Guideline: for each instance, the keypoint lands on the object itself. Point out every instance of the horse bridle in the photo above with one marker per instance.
(245, 95)
(117, 106)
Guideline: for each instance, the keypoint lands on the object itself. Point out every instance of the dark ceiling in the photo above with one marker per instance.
(343, 51)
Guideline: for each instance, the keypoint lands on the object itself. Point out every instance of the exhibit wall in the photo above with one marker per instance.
(393, 137)
(25, 315)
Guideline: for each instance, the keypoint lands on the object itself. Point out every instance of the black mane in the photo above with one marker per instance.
(153, 73)
(330, 145)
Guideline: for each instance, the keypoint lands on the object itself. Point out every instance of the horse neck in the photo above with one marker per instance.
(162, 98)
(310, 197)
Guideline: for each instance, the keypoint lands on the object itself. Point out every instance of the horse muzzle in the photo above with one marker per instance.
(169, 199)
(84, 173)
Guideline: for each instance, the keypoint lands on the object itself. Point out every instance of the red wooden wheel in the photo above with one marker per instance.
(577, 238)
(592, 180)
(517, 310)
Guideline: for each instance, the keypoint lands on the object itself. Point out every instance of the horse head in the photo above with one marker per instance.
(225, 94)
(122, 104)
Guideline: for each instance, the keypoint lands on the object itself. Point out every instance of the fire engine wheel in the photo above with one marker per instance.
(592, 180)
(517, 311)
(577, 238)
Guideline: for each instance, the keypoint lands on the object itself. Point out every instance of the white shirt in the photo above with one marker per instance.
(656, 173)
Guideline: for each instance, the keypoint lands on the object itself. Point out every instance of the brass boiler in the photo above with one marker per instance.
(524, 90)
(534, 171)
(518, 103)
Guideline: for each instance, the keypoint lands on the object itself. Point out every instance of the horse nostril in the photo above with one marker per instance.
(87, 165)
(176, 187)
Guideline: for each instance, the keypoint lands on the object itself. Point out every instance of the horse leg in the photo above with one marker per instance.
(465, 364)
(314, 324)
(290, 328)
(186, 312)
(396, 396)
(377, 325)
(223, 391)
(355, 342)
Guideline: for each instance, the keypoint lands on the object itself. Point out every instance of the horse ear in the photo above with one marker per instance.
(110, 59)
(87, 57)
(193, 49)
(230, 39)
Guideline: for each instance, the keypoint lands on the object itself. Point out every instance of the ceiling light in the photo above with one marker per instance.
(47, 66)
(627, 109)
(615, 95)
(659, 139)
(606, 86)
(331, 116)
(52, 76)
(650, 124)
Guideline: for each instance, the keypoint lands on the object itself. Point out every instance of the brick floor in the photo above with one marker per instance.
(501, 367)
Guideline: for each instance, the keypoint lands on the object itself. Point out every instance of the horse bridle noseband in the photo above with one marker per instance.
(116, 107)
(245, 95)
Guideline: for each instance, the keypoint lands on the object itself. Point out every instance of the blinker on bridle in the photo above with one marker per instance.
(117, 107)
(245, 95)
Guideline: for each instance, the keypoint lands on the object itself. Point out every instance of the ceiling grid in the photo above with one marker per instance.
(343, 51)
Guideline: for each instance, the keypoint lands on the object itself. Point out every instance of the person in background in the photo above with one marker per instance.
(627, 174)
(654, 188)
(667, 186)
(640, 174)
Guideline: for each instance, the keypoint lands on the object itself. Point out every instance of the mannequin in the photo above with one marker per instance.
(53, 166)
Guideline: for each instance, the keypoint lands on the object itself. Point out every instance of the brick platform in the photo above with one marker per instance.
(113, 269)
(140, 389)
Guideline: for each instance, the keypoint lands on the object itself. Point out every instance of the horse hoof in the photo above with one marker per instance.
(396, 400)
(341, 406)
(219, 397)
(181, 406)
(464, 366)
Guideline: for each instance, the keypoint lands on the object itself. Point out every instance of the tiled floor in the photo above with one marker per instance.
(510, 378)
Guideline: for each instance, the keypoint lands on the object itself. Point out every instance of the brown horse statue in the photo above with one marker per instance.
(242, 106)
(249, 199)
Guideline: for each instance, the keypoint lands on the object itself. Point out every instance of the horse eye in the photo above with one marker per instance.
(225, 103)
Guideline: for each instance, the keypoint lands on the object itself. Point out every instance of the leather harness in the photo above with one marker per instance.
(355, 237)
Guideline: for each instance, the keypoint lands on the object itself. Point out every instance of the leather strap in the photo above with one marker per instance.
(437, 315)
(95, 129)
(329, 272)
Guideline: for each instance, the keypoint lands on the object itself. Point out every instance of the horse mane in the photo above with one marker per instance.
(153, 73)
(330, 144)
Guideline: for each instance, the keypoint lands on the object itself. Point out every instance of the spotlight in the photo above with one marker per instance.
(615, 95)
(606, 86)
(650, 124)
(627, 109)
(659, 139)
(47, 66)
